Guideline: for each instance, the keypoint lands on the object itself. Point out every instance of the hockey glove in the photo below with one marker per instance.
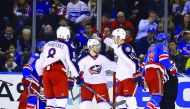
(173, 69)
(70, 83)
(138, 79)
(165, 78)
(80, 79)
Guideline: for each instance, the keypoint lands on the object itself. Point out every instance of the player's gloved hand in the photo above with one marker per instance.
(173, 69)
(70, 83)
(165, 78)
(138, 79)
(80, 79)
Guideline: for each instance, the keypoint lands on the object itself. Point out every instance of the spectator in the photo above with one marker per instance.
(108, 50)
(10, 65)
(58, 8)
(184, 45)
(106, 32)
(184, 25)
(186, 8)
(21, 8)
(121, 22)
(24, 44)
(176, 7)
(137, 10)
(160, 28)
(177, 57)
(21, 13)
(6, 38)
(62, 22)
(93, 10)
(171, 26)
(77, 11)
(145, 42)
(17, 57)
(42, 8)
(144, 24)
(106, 22)
(130, 37)
(157, 6)
(46, 34)
(85, 34)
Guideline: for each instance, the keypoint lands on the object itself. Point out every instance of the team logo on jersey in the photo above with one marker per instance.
(127, 49)
(96, 69)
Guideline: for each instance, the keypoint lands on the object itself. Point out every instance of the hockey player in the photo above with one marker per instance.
(156, 63)
(53, 64)
(30, 81)
(92, 68)
(127, 68)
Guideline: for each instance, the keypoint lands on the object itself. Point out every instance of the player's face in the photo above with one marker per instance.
(96, 48)
(116, 39)
(41, 49)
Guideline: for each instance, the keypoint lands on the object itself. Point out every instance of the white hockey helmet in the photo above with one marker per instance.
(119, 33)
(92, 42)
(63, 33)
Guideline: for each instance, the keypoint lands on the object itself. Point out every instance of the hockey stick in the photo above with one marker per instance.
(110, 103)
(77, 96)
(38, 93)
(134, 92)
(10, 84)
(71, 91)
(132, 104)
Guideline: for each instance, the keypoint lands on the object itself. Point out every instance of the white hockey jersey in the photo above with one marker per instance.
(94, 69)
(127, 64)
(77, 12)
(55, 51)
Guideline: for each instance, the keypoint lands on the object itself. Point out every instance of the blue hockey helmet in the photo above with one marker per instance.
(40, 44)
(162, 36)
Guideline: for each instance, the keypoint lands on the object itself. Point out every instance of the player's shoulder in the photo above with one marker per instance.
(82, 57)
(36, 55)
(127, 47)
(57, 43)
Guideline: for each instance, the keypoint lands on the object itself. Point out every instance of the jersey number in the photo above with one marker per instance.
(51, 53)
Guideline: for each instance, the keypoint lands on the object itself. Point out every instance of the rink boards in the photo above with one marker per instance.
(9, 94)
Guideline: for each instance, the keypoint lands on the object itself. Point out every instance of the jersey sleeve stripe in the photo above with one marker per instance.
(27, 66)
(164, 56)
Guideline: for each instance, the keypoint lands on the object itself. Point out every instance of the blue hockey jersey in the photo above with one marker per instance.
(184, 48)
(157, 56)
(29, 68)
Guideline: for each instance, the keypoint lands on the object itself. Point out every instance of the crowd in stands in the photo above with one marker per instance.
(142, 20)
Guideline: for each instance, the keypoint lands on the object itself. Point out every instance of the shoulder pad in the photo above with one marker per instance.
(127, 48)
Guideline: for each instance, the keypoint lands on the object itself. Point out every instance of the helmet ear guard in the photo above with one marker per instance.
(63, 33)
